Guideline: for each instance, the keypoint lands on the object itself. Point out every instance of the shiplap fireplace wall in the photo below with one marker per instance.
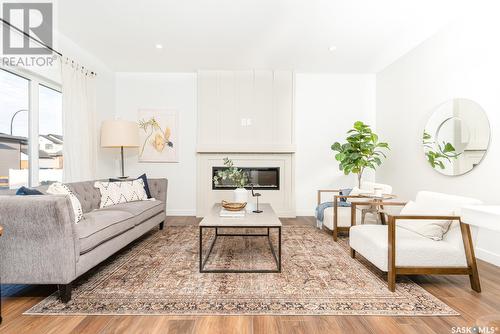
(247, 116)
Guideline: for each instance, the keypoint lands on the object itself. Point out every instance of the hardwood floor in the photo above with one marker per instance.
(476, 309)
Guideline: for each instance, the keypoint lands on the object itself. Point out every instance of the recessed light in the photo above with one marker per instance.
(332, 48)
(159, 46)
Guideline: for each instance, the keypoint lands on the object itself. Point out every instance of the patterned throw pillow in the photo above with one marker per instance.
(113, 193)
(62, 189)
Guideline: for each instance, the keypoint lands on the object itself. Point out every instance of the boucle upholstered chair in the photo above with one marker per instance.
(338, 218)
(408, 244)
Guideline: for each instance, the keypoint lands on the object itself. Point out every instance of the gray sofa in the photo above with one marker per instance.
(41, 244)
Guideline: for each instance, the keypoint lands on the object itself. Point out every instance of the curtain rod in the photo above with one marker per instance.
(7, 23)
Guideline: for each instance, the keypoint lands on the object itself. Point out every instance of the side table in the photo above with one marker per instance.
(375, 208)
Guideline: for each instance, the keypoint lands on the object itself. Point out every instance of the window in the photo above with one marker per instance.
(50, 157)
(30, 131)
(14, 104)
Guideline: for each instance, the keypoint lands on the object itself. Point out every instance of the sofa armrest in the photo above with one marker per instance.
(158, 188)
(39, 243)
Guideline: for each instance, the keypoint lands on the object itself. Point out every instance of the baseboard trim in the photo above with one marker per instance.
(181, 212)
(488, 256)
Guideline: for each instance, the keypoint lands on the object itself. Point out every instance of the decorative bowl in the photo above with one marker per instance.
(233, 206)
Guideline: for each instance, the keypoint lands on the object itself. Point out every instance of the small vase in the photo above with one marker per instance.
(240, 195)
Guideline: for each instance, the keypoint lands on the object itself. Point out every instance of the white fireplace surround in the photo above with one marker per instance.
(247, 116)
(282, 200)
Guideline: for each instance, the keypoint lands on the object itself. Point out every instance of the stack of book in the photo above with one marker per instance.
(232, 214)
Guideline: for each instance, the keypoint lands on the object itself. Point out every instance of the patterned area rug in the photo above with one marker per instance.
(158, 274)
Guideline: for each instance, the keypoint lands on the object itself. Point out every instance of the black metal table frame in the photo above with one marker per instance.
(277, 258)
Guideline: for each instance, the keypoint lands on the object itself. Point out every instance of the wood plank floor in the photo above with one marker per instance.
(476, 309)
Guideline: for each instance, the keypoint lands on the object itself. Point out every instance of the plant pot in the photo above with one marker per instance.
(240, 195)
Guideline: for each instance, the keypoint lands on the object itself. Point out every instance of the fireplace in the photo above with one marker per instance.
(262, 178)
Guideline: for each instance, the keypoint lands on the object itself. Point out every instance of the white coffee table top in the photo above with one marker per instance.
(266, 219)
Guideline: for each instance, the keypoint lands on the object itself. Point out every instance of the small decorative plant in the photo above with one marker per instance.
(234, 174)
(362, 150)
(444, 152)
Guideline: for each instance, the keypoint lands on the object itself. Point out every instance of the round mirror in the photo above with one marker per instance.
(456, 137)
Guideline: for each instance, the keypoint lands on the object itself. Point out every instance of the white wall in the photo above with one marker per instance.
(177, 91)
(463, 60)
(326, 107)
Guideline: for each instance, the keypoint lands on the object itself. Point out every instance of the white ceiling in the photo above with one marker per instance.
(247, 34)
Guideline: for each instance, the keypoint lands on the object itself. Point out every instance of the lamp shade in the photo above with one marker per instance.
(118, 133)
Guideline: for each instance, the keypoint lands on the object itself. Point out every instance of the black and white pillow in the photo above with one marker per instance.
(62, 189)
(113, 193)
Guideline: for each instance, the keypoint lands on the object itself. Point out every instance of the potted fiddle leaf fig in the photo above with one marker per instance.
(361, 150)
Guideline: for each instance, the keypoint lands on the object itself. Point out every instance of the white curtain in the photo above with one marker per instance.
(79, 128)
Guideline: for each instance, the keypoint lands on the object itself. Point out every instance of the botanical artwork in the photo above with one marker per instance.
(158, 136)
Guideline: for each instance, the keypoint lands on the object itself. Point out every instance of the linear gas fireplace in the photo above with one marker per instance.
(267, 178)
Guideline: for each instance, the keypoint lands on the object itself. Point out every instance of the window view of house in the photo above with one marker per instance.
(15, 134)
(50, 139)
(14, 104)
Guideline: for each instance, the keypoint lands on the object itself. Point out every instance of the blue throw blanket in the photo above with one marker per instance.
(320, 209)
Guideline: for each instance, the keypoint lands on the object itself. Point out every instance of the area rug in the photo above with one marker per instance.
(159, 274)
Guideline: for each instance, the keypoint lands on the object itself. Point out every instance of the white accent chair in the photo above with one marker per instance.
(339, 218)
(400, 249)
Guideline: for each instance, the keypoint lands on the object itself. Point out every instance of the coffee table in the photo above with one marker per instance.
(265, 220)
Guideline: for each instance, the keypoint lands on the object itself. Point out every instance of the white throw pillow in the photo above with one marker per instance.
(113, 193)
(62, 189)
(432, 229)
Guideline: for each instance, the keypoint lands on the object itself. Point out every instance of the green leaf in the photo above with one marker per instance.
(448, 147)
(359, 125)
(336, 146)
(340, 156)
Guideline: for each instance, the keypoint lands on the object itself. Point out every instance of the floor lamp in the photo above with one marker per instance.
(120, 133)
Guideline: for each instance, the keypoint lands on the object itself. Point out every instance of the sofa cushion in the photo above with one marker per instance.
(58, 188)
(98, 226)
(140, 210)
(429, 228)
(113, 193)
(412, 249)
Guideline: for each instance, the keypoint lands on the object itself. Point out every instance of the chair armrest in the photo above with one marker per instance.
(393, 218)
(391, 230)
(320, 191)
(379, 203)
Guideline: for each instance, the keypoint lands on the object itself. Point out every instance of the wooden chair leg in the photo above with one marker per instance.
(391, 263)
(335, 219)
(391, 280)
(353, 253)
(475, 284)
